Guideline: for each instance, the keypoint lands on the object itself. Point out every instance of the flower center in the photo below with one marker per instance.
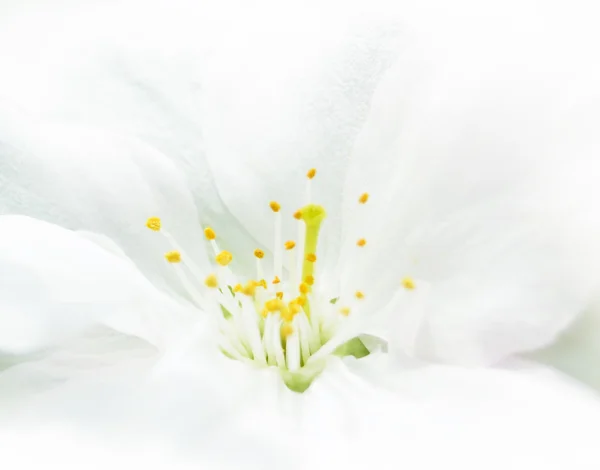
(279, 319)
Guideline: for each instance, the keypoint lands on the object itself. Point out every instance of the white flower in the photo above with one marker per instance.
(471, 255)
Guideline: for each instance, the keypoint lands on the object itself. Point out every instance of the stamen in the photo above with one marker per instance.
(290, 244)
(237, 288)
(303, 288)
(153, 223)
(275, 206)
(173, 257)
(211, 281)
(298, 215)
(311, 257)
(279, 295)
(311, 173)
(259, 253)
(276, 280)
(249, 288)
(310, 280)
(361, 242)
(345, 311)
(408, 283)
(209, 233)
(294, 307)
(359, 295)
(277, 252)
(224, 258)
(286, 330)
(364, 197)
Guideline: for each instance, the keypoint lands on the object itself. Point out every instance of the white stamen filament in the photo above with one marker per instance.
(277, 255)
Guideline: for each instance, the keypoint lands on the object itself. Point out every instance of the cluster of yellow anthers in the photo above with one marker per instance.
(294, 297)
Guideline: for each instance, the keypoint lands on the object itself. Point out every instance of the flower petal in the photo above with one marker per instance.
(482, 185)
(88, 179)
(221, 97)
(56, 284)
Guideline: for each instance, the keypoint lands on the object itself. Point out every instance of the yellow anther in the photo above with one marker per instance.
(300, 301)
(279, 295)
(311, 257)
(224, 258)
(153, 223)
(276, 280)
(364, 197)
(345, 311)
(249, 288)
(273, 305)
(259, 253)
(275, 206)
(264, 312)
(298, 215)
(237, 288)
(173, 257)
(408, 283)
(361, 242)
(310, 280)
(286, 330)
(294, 307)
(209, 233)
(359, 295)
(262, 283)
(211, 281)
(290, 244)
(303, 287)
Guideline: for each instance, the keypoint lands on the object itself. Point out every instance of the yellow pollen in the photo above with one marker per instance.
(311, 173)
(361, 242)
(173, 257)
(345, 311)
(300, 301)
(275, 206)
(294, 308)
(209, 233)
(310, 280)
(276, 280)
(289, 245)
(153, 223)
(273, 305)
(279, 295)
(237, 288)
(262, 283)
(364, 197)
(303, 288)
(224, 258)
(211, 281)
(359, 295)
(259, 253)
(286, 330)
(298, 215)
(408, 283)
(311, 257)
(249, 288)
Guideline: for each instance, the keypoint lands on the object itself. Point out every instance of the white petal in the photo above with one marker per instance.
(84, 178)
(482, 183)
(256, 99)
(357, 414)
(56, 284)
(577, 351)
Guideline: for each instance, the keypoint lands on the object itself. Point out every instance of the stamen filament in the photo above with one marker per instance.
(277, 253)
